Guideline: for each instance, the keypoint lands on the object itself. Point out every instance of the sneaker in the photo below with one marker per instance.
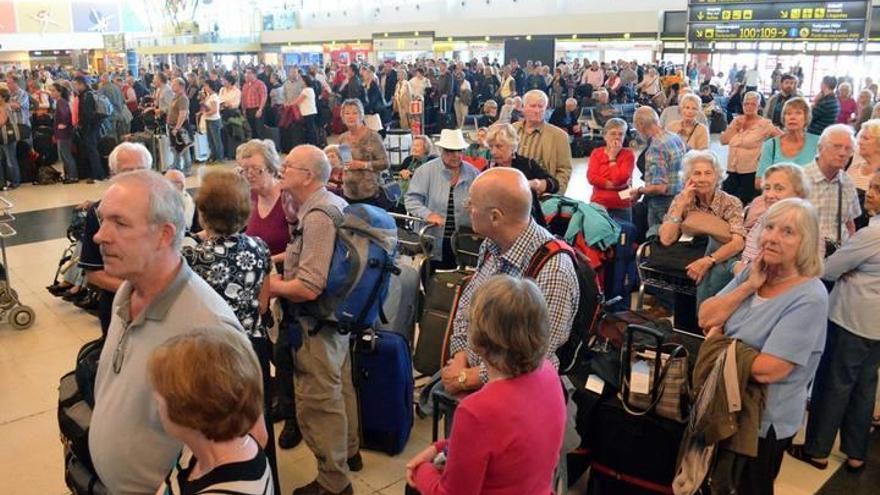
(314, 488)
(290, 436)
(355, 463)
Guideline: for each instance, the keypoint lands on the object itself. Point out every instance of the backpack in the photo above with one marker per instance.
(76, 398)
(361, 267)
(589, 301)
(103, 107)
(47, 175)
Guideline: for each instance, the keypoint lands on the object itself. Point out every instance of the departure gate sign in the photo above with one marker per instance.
(767, 20)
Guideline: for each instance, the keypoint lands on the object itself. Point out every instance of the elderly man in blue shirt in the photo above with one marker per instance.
(19, 101)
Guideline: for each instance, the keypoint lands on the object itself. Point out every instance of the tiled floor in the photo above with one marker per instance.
(31, 361)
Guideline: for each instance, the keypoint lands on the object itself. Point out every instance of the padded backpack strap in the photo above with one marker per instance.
(550, 249)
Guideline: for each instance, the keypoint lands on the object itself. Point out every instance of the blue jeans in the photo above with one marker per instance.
(717, 277)
(657, 208)
(65, 152)
(843, 395)
(11, 172)
(215, 141)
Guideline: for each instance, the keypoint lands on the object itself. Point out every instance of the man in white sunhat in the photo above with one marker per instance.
(438, 192)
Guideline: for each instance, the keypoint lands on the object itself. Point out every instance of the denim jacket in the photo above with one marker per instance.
(428, 193)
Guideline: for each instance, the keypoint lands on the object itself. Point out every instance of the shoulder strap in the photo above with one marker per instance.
(547, 251)
(839, 206)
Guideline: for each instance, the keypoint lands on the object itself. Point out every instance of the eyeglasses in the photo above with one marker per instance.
(119, 352)
(250, 171)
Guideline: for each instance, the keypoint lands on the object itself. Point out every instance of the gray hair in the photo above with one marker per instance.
(145, 159)
(164, 200)
(536, 93)
(264, 148)
(504, 133)
(645, 116)
(750, 95)
(353, 102)
(691, 158)
(795, 175)
(808, 260)
(426, 142)
(615, 123)
(836, 129)
(317, 162)
(571, 100)
(490, 104)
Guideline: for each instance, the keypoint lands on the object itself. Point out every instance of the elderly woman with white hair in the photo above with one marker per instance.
(745, 135)
(865, 162)
(503, 142)
(702, 208)
(778, 306)
(694, 134)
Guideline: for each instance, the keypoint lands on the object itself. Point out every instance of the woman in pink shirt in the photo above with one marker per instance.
(849, 108)
(501, 444)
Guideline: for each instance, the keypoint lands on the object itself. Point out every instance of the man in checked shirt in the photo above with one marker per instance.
(500, 209)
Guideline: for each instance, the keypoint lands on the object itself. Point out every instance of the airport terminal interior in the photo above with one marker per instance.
(684, 153)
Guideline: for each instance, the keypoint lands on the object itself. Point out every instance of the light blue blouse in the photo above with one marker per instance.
(771, 153)
(790, 326)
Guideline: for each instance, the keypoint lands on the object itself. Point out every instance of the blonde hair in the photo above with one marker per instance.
(795, 175)
(871, 127)
(211, 381)
(509, 324)
(807, 261)
(504, 133)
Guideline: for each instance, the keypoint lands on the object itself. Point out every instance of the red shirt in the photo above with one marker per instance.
(272, 228)
(848, 108)
(253, 94)
(600, 171)
(501, 444)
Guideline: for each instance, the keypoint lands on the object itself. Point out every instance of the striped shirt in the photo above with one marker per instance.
(251, 477)
(557, 281)
(449, 227)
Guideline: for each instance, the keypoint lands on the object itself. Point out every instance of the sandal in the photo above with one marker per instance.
(798, 452)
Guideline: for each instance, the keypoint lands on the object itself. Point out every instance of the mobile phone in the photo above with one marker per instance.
(345, 154)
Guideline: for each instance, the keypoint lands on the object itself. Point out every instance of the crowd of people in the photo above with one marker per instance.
(261, 233)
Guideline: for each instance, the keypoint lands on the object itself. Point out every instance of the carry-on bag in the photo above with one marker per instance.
(383, 379)
(402, 303)
(441, 293)
(201, 148)
(621, 271)
(654, 378)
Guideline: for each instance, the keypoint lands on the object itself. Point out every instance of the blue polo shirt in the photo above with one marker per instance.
(790, 326)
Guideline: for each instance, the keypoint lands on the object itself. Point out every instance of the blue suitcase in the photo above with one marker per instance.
(383, 378)
(621, 273)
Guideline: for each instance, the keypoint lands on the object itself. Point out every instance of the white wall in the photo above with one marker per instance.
(476, 18)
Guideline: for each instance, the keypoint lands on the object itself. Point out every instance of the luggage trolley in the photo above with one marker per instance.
(12, 310)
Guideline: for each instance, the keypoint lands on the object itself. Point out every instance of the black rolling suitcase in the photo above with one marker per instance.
(47, 151)
(26, 161)
(435, 324)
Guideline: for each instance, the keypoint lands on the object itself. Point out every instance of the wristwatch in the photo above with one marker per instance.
(712, 258)
(462, 379)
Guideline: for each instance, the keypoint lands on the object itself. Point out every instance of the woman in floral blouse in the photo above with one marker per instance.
(236, 265)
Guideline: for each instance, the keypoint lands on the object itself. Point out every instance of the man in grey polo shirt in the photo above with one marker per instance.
(141, 230)
(326, 407)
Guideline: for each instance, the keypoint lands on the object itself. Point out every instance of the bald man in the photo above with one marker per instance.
(500, 208)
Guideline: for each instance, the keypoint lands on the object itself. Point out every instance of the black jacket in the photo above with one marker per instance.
(390, 85)
(565, 120)
(88, 112)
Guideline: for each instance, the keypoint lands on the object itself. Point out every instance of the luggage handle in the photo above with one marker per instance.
(660, 368)
(426, 242)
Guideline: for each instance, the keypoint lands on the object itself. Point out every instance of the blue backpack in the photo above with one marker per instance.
(361, 267)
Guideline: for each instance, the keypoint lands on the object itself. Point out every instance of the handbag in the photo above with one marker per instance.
(678, 256)
(654, 385)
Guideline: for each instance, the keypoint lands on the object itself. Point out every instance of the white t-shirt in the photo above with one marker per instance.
(231, 96)
(307, 105)
(213, 99)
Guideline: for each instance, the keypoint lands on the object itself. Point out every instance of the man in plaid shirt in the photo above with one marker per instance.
(662, 159)
(831, 189)
(500, 208)
(253, 99)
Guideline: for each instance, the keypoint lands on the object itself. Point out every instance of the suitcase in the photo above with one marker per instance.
(397, 143)
(201, 149)
(621, 271)
(436, 317)
(47, 151)
(403, 301)
(383, 378)
(26, 161)
(164, 157)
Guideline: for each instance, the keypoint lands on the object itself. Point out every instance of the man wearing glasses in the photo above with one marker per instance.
(142, 226)
(325, 401)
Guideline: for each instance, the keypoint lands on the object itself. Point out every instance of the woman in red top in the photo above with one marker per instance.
(610, 171)
(501, 444)
(259, 164)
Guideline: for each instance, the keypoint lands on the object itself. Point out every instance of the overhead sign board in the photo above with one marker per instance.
(788, 11)
(778, 31)
(768, 20)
